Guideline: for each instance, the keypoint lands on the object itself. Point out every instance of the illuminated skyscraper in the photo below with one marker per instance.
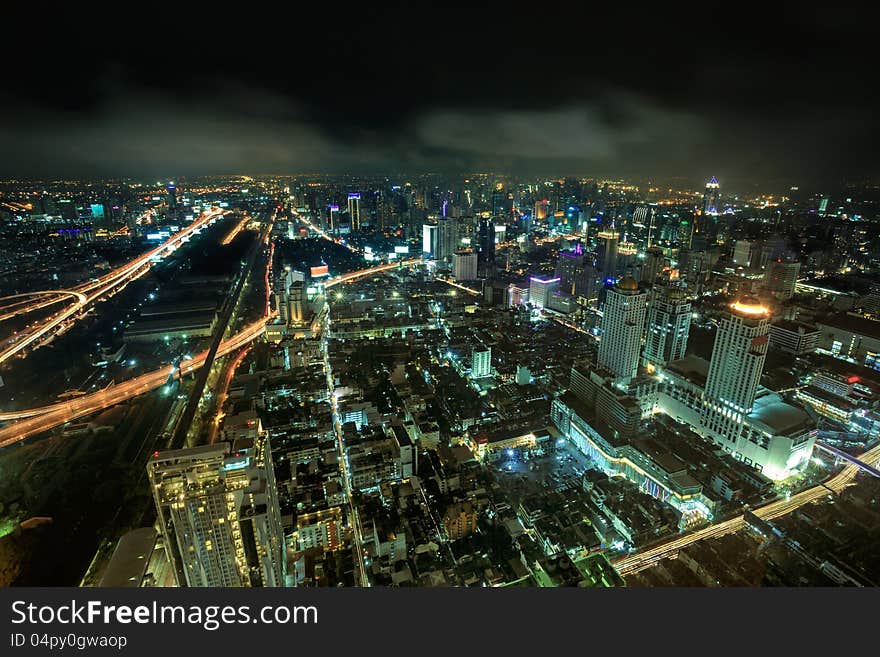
(464, 265)
(623, 322)
(448, 237)
(296, 301)
(542, 209)
(742, 253)
(607, 261)
(736, 365)
(481, 362)
(780, 278)
(354, 210)
(542, 289)
(685, 233)
(431, 240)
(486, 244)
(569, 265)
(669, 321)
(654, 262)
(712, 198)
(218, 510)
(498, 201)
(171, 195)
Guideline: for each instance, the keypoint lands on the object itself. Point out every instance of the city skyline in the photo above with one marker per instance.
(408, 296)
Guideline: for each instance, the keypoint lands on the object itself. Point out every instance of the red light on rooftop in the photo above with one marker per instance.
(852, 379)
(155, 454)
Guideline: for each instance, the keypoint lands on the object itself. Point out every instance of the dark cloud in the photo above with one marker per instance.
(777, 94)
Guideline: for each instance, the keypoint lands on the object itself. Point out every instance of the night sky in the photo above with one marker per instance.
(770, 97)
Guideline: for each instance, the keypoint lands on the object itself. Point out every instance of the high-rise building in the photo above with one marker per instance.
(607, 261)
(282, 306)
(736, 365)
(171, 195)
(685, 233)
(742, 251)
(712, 198)
(542, 209)
(623, 322)
(486, 243)
(499, 201)
(568, 266)
(431, 240)
(333, 217)
(448, 228)
(643, 222)
(481, 362)
(218, 511)
(464, 266)
(517, 295)
(354, 210)
(669, 321)
(654, 262)
(780, 278)
(541, 289)
(296, 301)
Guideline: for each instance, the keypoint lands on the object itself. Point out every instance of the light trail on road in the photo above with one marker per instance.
(57, 295)
(454, 284)
(92, 291)
(231, 367)
(240, 226)
(361, 273)
(62, 412)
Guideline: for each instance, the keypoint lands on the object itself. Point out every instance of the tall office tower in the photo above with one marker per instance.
(568, 266)
(643, 220)
(685, 233)
(448, 237)
(498, 201)
(464, 266)
(655, 260)
(712, 198)
(431, 240)
(669, 321)
(486, 244)
(333, 217)
(171, 195)
(781, 278)
(481, 362)
(627, 254)
(542, 209)
(296, 300)
(623, 322)
(736, 365)
(742, 250)
(382, 210)
(282, 305)
(607, 262)
(218, 512)
(587, 285)
(354, 210)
